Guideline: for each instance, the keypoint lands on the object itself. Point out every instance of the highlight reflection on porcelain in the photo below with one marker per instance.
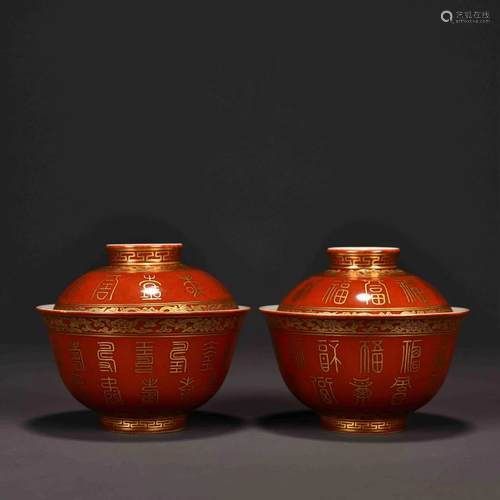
(144, 340)
(363, 369)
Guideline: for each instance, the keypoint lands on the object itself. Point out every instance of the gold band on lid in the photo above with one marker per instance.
(144, 254)
(363, 257)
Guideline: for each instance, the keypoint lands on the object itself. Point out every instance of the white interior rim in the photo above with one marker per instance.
(363, 249)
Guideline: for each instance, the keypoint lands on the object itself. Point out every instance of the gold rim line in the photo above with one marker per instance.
(364, 334)
(142, 424)
(361, 426)
(144, 335)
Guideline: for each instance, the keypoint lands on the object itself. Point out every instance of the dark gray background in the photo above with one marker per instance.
(258, 138)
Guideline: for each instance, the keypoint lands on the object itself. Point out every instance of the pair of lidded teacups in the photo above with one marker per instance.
(146, 339)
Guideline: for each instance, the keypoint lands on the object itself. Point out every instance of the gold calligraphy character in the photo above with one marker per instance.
(323, 388)
(361, 391)
(105, 357)
(150, 288)
(402, 384)
(326, 358)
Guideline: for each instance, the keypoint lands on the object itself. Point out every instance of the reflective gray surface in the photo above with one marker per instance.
(252, 441)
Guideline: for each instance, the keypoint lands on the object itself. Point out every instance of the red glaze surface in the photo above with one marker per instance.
(363, 374)
(145, 278)
(143, 372)
(364, 280)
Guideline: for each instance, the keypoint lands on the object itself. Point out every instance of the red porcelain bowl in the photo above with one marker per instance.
(363, 373)
(143, 372)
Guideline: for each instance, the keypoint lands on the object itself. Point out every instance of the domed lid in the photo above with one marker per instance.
(364, 280)
(145, 278)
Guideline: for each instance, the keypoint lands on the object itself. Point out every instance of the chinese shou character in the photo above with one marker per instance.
(337, 292)
(326, 358)
(105, 357)
(191, 286)
(187, 388)
(76, 356)
(323, 389)
(112, 394)
(209, 353)
(377, 292)
(178, 361)
(411, 351)
(150, 288)
(296, 354)
(412, 292)
(440, 354)
(106, 288)
(361, 391)
(144, 357)
(402, 384)
(371, 359)
(150, 393)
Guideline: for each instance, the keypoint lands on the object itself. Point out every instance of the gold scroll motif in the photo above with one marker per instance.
(371, 359)
(362, 392)
(76, 356)
(163, 307)
(105, 325)
(150, 393)
(178, 359)
(401, 384)
(106, 288)
(77, 386)
(144, 357)
(411, 352)
(353, 326)
(209, 353)
(327, 358)
(186, 389)
(376, 292)
(105, 356)
(412, 292)
(340, 261)
(112, 393)
(337, 292)
(193, 287)
(296, 353)
(323, 388)
(150, 288)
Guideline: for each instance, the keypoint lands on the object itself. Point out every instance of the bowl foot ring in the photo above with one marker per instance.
(138, 423)
(363, 426)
